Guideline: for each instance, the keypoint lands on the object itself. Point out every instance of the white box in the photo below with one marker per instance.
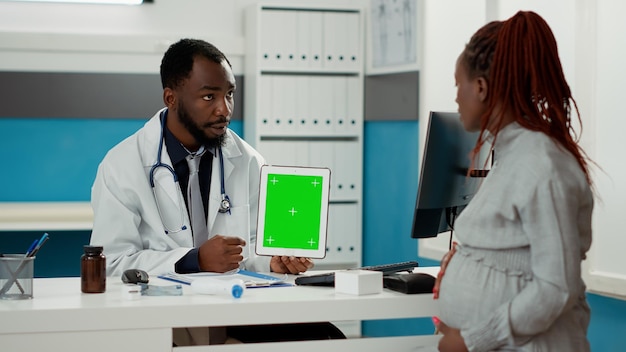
(358, 282)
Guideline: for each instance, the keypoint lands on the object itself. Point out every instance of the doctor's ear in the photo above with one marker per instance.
(169, 98)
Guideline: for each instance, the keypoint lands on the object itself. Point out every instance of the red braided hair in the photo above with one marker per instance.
(520, 61)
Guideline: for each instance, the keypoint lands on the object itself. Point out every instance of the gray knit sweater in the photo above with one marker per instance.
(515, 283)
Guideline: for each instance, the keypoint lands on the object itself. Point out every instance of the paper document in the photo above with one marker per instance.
(250, 278)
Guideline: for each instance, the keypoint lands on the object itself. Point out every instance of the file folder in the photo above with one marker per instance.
(279, 116)
(331, 34)
(266, 104)
(304, 35)
(316, 29)
(288, 96)
(288, 39)
(340, 106)
(353, 35)
(318, 96)
(354, 107)
(323, 96)
(268, 40)
(303, 105)
(348, 164)
(348, 239)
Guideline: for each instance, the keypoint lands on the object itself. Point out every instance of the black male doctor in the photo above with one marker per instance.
(141, 214)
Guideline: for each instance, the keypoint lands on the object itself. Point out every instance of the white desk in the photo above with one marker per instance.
(61, 318)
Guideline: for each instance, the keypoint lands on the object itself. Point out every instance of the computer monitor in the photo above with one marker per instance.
(444, 185)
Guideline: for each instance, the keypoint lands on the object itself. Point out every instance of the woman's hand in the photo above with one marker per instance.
(290, 265)
(442, 270)
(451, 341)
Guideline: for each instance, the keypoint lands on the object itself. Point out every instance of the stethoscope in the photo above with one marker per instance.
(224, 202)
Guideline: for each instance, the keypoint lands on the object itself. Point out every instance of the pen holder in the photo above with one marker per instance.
(16, 276)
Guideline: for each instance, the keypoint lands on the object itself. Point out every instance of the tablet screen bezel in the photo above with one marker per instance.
(261, 248)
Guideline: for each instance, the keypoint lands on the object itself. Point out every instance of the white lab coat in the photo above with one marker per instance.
(126, 219)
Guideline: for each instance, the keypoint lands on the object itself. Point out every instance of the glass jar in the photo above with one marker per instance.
(93, 270)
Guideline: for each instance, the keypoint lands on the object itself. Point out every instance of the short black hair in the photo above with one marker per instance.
(177, 61)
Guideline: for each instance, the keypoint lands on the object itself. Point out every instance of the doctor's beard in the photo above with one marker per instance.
(197, 132)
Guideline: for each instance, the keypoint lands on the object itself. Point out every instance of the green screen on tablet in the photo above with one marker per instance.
(293, 211)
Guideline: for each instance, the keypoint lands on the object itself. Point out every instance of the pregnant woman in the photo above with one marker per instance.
(514, 281)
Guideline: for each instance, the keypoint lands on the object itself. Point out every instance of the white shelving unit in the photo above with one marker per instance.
(303, 105)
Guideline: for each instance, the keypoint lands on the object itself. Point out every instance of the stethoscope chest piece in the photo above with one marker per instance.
(225, 205)
(225, 202)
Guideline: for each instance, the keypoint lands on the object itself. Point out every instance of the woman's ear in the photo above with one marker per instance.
(481, 86)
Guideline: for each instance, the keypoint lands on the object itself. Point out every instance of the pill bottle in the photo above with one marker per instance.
(93, 270)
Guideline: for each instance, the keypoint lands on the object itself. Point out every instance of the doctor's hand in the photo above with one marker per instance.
(220, 253)
(290, 265)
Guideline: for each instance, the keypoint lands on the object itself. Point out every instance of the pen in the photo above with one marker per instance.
(31, 248)
(38, 245)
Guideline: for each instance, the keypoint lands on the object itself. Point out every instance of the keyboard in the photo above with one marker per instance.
(328, 279)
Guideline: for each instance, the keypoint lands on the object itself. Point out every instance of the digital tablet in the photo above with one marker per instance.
(293, 211)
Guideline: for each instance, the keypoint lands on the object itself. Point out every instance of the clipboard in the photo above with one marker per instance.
(251, 279)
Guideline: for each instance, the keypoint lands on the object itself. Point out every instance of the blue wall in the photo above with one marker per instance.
(68, 152)
(390, 176)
